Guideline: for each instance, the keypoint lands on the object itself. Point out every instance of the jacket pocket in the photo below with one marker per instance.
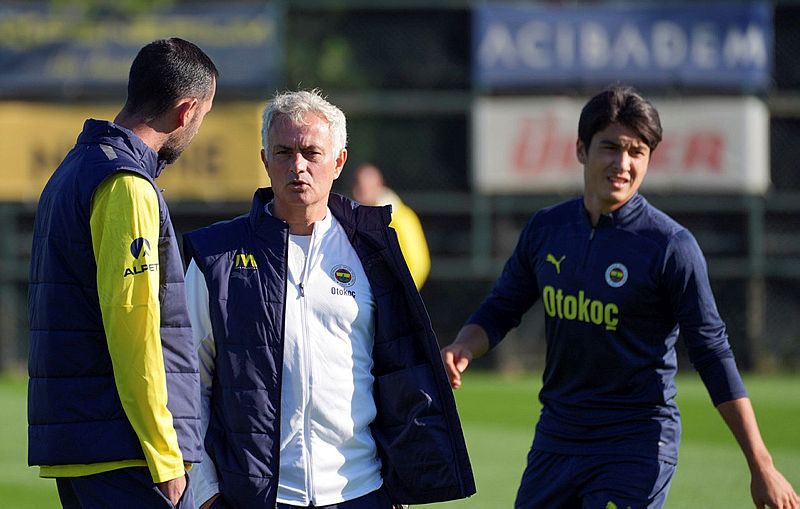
(412, 435)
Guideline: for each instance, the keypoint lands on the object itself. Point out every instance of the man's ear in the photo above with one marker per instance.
(340, 163)
(186, 110)
(580, 151)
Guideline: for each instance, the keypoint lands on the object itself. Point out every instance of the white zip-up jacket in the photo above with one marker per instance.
(328, 454)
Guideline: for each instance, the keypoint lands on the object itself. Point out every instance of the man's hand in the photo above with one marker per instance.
(470, 342)
(770, 488)
(173, 489)
(456, 358)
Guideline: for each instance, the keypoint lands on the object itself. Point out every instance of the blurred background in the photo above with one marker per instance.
(470, 109)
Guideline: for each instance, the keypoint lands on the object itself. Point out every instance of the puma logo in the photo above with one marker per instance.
(552, 259)
(243, 277)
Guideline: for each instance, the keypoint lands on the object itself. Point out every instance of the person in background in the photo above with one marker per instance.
(322, 384)
(619, 280)
(369, 188)
(113, 397)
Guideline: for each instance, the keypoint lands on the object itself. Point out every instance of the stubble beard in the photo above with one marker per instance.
(176, 143)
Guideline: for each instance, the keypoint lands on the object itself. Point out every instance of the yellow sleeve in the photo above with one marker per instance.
(412, 243)
(125, 225)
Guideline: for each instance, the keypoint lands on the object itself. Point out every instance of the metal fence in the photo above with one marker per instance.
(402, 77)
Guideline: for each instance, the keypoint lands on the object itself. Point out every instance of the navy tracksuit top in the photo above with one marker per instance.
(616, 296)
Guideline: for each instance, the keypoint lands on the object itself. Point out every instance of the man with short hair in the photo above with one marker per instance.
(322, 384)
(618, 280)
(113, 404)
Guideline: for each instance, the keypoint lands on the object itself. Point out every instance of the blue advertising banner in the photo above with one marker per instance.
(67, 52)
(689, 45)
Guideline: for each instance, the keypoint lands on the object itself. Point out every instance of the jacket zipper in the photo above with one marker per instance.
(307, 374)
(588, 248)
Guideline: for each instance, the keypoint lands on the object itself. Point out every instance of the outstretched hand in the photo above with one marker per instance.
(770, 489)
(470, 342)
(456, 358)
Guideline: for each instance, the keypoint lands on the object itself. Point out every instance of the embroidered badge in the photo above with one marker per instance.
(343, 275)
(616, 275)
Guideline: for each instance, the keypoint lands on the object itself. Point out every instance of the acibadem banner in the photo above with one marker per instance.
(64, 52)
(699, 44)
(223, 163)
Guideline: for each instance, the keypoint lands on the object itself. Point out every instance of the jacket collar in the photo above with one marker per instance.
(350, 214)
(124, 140)
(624, 215)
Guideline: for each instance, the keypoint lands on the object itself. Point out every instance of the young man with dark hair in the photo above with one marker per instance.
(113, 406)
(618, 280)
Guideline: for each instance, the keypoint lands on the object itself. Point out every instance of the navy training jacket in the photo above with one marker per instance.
(417, 429)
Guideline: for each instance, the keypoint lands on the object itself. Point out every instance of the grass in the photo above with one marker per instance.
(499, 414)
(20, 485)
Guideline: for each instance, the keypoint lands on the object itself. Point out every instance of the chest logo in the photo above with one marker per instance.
(343, 275)
(616, 275)
(245, 261)
(552, 259)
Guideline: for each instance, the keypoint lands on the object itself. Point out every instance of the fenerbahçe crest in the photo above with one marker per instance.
(616, 275)
(343, 275)
(140, 248)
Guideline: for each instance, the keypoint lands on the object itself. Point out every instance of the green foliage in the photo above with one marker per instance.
(498, 414)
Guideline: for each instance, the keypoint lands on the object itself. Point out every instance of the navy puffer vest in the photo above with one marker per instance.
(417, 430)
(74, 412)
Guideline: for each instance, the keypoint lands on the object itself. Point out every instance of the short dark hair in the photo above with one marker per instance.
(624, 105)
(165, 71)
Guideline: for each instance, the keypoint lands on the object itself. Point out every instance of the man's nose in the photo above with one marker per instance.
(299, 163)
(623, 161)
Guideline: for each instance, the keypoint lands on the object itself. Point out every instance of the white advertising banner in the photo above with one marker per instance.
(711, 145)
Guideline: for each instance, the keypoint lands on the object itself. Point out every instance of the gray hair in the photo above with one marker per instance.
(295, 105)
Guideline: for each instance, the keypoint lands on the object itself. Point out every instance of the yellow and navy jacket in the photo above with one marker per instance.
(113, 371)
(616, 296)
(417, 429)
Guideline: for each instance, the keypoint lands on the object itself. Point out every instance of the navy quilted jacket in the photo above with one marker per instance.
(417, 429)
(74, 412)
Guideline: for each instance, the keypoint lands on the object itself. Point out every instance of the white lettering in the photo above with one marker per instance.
(497, 46)
(705, 52)
(670, 45)
(595, 46)
(531, 40)
(630, 46)
(745, 49)
(543, 43)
